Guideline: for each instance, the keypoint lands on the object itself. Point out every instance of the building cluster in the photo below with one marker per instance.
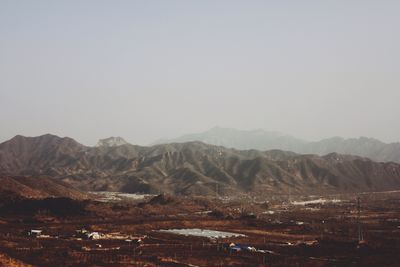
(232, 247)
(83, 234)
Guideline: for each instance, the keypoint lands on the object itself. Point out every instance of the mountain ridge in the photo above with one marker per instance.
(265, 140)
(193, 168)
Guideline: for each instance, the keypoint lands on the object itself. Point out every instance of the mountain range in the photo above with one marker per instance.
(265, 140)
(191, 168)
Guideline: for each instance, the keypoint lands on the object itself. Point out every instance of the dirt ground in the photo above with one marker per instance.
(332, 233)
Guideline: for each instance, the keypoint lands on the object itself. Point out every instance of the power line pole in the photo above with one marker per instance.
(360, 236)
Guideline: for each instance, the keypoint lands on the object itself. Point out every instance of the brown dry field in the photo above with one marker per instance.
(317, 235)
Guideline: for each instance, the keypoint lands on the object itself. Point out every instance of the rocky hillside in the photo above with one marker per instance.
(192, 168)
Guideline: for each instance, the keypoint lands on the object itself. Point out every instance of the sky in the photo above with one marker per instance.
(147, 70)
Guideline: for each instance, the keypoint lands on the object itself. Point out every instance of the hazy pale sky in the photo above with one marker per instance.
(146, 70)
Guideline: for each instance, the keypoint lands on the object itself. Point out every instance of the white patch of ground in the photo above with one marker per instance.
(315, 201)
(202, 233)
(105, 196)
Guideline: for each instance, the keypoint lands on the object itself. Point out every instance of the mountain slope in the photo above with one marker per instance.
(193, 168)
(37, 187)
(363, 146)
(38, 153)
(263, 140)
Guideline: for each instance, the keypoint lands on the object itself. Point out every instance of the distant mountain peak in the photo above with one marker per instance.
(43, 136)
(42, 140)
(260, 139)
(219, 129)
(111, 142)
(240, 139)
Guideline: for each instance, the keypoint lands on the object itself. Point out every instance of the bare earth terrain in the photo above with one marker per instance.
(317, 231)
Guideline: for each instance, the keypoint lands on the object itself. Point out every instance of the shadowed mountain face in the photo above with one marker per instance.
(192, 168)
(263, 140)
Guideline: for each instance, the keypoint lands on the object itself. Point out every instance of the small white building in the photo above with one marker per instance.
(93, 235)
(35, 233)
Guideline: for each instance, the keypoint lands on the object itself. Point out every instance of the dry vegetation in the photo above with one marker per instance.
(318, 234)
(7, 261)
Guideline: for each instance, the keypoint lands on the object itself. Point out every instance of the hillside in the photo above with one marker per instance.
(192, 168)
(264, 140)
(36, 187)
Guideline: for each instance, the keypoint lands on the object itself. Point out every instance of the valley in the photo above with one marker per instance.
(193, 204)
(267, 232)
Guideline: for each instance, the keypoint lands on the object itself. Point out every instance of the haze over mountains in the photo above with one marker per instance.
(265, 140)
(192, 168)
